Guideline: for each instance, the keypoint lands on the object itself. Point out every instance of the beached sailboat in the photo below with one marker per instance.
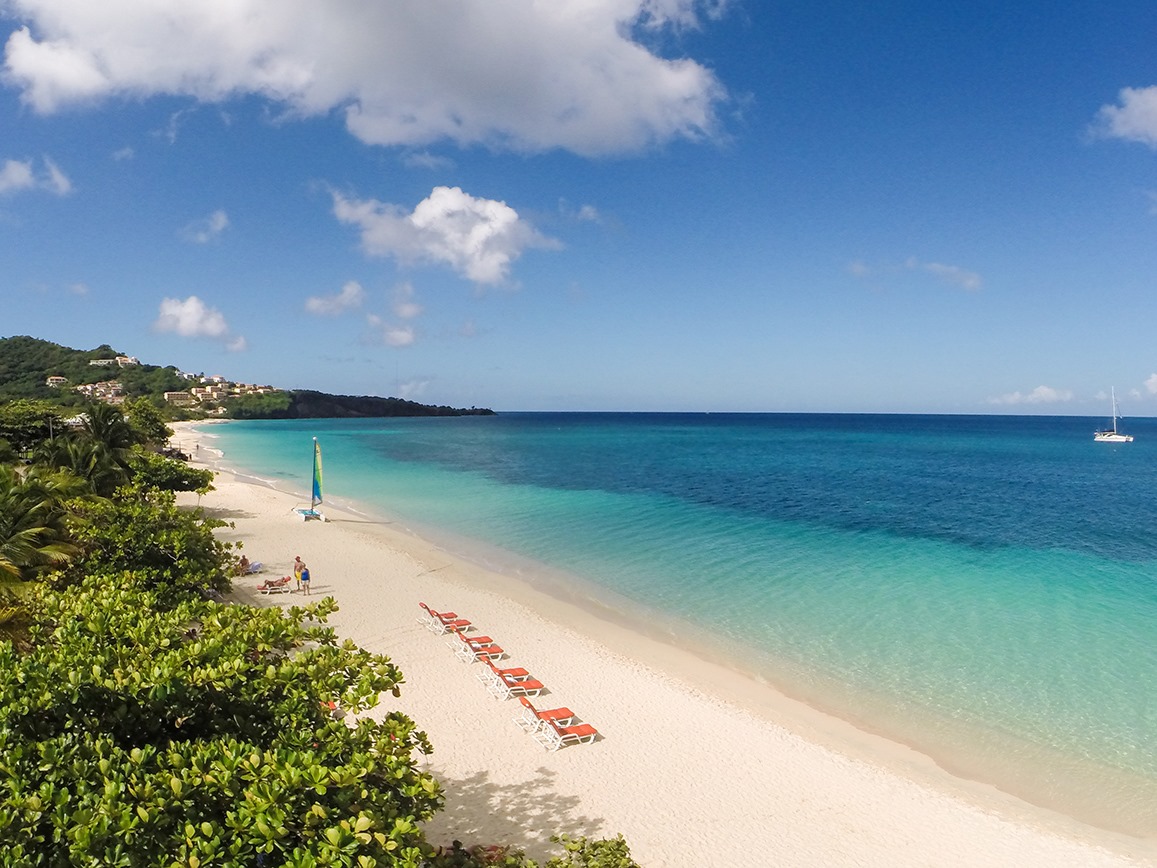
(315, 494)
(1112, 435)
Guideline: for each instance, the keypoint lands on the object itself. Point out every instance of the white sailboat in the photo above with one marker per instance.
(1112, 435)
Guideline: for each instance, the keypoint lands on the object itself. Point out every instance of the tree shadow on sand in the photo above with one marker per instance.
(523, 814)
(226, 514)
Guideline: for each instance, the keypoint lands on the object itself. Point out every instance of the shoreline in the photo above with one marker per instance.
(679, 731)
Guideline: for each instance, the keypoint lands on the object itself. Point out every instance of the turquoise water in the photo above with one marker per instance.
(983, 588)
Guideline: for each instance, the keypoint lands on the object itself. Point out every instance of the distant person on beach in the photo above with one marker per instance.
(243, 566)
(298, 569)
(304, 578)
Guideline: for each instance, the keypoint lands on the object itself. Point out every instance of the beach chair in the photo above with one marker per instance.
(443, 622)
(429, 615)
(533, 719)
(505, 683)
(490, 674)
(275, 586)
(553, 735)
(255, 568)
(471, 648)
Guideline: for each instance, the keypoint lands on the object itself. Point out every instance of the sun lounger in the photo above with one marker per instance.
(254, 568)
(553, 735)
(471, 648)
(275, 586)
(491, 674)
(443, 622)
(533, 719)
(513, 682)
(428, 615)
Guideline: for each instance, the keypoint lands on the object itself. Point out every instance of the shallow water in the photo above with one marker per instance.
(983, 588)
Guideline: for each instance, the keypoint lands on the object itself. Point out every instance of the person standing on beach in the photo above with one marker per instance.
(304, 578)
(298, 569)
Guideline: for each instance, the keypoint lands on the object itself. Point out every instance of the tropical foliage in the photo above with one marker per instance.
(145, 722)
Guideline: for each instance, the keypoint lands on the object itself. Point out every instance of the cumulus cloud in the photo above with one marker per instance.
(208, 229)
(478, 238)
(351, 296)
(391, 334)
(1151, 384)
(1039, 395)
(192, 318)
(405, 305)
(1133, 118)
(504, 73)
(950, 274)
(17, 175)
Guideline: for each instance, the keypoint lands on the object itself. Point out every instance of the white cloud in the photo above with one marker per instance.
(15, 175)
(1039, 395)
(412, 389)
(192, 318)
(504, 73)
(1133, 119)
(391, 334)
(125, 153)
(426, 160)
(399, 336)
(478, 238)
(78, 288)
(951, 274)
(18, 175)
(405, 307)
(1151, 384)
(352, 295)
(208, 229)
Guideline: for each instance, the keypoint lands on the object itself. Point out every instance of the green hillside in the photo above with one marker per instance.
(26, 363)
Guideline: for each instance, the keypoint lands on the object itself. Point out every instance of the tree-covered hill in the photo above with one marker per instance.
(26, 363)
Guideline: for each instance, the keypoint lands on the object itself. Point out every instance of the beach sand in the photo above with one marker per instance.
(697, 765)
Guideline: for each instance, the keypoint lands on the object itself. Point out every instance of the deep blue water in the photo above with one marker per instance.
(982, 587)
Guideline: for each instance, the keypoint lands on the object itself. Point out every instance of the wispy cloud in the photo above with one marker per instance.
(1039, 395)
(207, 229)
(597, 88)
(953, 275)
(405, 305)
(20, 175)
(1133, 118)
(426, 160)
(192, 318)
(391, 334)
(351, 296)
(478, 238)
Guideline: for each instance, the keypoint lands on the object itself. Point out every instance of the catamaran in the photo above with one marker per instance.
(315, 494)
(1112, 435)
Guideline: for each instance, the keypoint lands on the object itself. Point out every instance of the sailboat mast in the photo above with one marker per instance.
(315, 494)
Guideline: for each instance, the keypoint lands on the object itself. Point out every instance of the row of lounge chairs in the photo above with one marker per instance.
(552, 728)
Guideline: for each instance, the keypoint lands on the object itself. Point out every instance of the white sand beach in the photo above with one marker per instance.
(697, 765)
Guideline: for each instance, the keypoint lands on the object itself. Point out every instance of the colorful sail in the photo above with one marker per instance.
(316, 474)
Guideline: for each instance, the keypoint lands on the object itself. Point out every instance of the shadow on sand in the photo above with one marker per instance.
(523, 815)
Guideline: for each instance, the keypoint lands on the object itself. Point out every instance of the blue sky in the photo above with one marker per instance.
(594, 204)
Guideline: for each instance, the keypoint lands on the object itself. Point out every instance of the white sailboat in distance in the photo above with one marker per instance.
(1112, 435)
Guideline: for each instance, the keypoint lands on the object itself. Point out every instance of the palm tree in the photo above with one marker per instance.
(107, 425)
(33, 530)
(87, 459)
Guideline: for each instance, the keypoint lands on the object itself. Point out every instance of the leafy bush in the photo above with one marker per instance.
(199, 736)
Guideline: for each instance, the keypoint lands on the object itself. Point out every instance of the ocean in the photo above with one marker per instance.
(982, 588)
